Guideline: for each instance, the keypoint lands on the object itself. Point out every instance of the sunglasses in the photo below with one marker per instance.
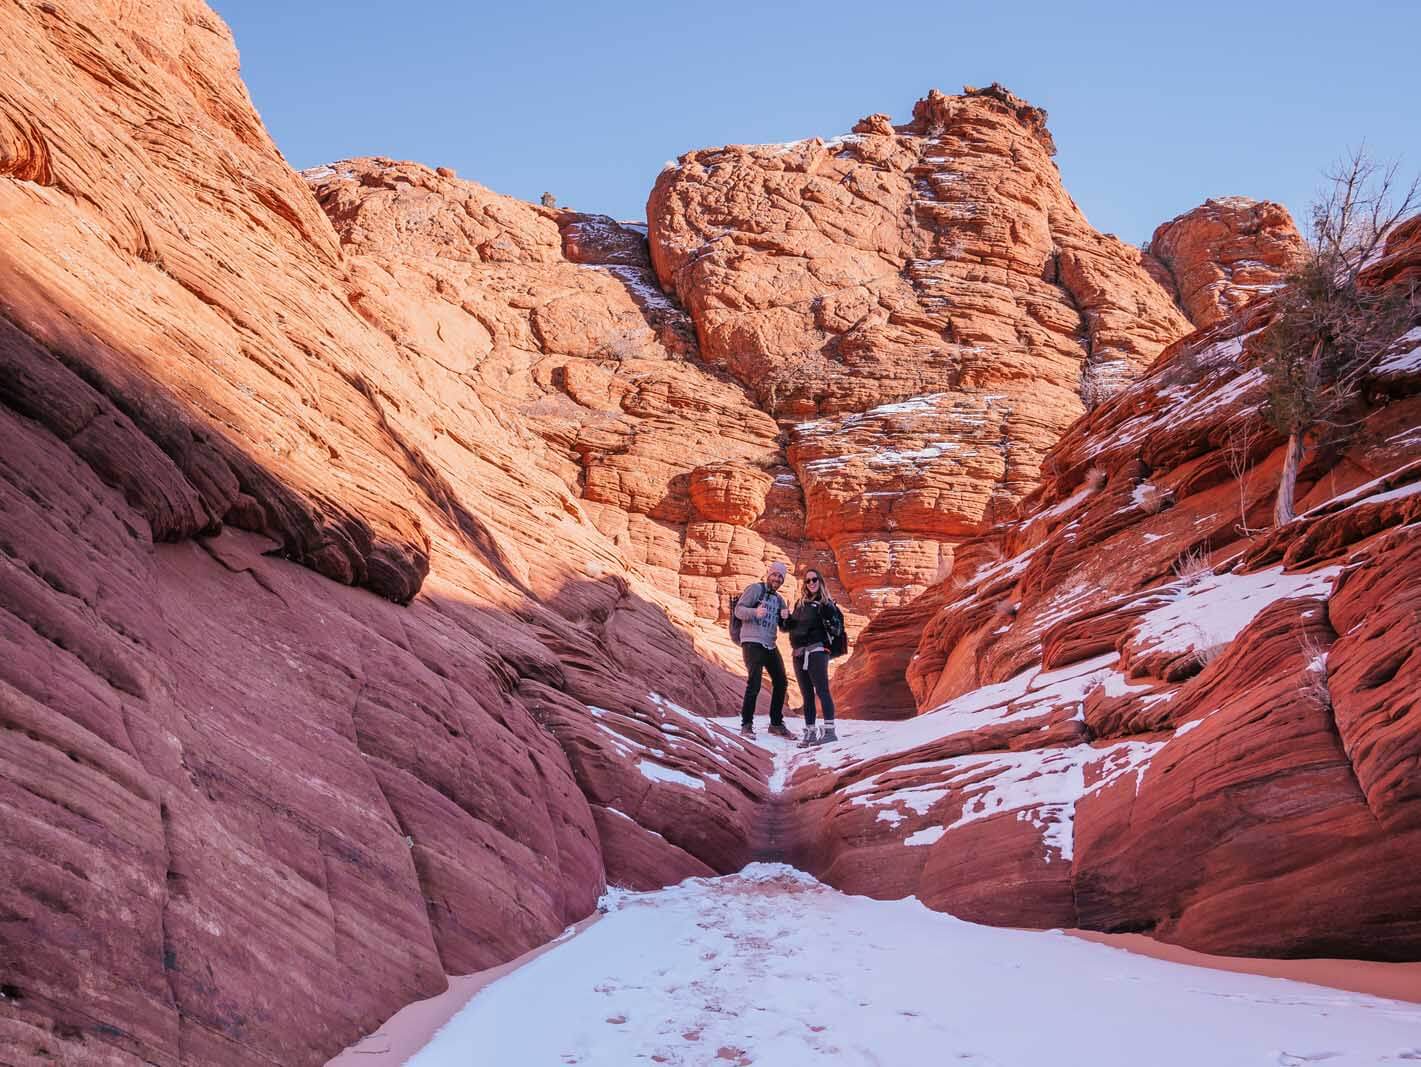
(811, 581)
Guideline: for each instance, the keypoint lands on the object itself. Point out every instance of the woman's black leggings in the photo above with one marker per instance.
(814, 680)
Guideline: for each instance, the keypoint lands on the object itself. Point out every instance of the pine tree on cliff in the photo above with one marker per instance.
(1330, 327)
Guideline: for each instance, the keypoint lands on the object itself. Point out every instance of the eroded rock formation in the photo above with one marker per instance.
(1223, 254)
(365, 534)
(1209, 744)
(318, 681)
(555, 323)
(924, 300)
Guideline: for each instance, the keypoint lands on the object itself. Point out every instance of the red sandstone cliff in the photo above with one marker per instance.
(1223, 254)
(356, 576)
(1145, 710)
(318, 681)
(924, 302)
(555, 323)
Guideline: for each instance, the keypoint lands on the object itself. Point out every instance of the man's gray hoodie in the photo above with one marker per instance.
(761, 631)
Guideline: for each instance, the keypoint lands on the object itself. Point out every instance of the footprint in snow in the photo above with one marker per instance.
(1297, 1059)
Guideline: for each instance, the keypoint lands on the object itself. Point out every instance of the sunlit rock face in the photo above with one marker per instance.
(319, 679)
(924, 301)
(581, 365)
(366, 536)
(1142, 708)
(1223, 254)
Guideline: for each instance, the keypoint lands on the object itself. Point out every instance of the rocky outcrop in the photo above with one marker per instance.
(319, 682)
(1210, 744)
(1224, 253)
(923, 301)
(360, 594)
(555, 321)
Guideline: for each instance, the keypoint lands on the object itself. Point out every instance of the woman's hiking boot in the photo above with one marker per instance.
(779, 729)
(827, 734)
(810, 738)
(747, 729)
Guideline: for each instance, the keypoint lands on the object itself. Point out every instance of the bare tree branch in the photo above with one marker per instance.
(1240, 442)
(1331, 329)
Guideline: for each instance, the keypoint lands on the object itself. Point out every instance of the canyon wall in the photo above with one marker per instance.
(1212, 744)
(366, 536)
(923, 304)
(319, 683)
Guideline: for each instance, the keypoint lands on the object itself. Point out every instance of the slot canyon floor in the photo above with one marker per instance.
(769, 966)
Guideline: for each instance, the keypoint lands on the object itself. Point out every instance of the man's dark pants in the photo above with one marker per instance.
(758, 658)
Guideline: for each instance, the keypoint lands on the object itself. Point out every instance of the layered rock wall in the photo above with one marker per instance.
(318, 681)
(1207, 744)
(1223, 254)
(364, 534)
(554, 322)
(923, 304)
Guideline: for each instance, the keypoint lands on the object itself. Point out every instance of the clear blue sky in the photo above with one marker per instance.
(1154, 106)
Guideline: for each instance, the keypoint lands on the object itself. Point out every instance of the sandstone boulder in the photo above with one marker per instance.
(1224, 253)
(729, 492)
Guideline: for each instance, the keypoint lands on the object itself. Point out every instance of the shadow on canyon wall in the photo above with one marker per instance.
(250, 810)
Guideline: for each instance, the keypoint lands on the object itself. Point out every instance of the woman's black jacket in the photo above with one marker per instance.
(806, 623)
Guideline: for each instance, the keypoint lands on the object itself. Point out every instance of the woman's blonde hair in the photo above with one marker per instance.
(820, 595)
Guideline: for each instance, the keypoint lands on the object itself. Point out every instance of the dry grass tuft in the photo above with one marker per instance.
(1193, 566)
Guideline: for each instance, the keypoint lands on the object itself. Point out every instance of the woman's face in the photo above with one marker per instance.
(812, 582)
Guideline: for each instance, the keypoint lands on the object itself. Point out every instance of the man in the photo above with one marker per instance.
(760, 609)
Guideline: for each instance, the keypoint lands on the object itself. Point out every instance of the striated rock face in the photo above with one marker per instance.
(318, 681)
(924, 300)
(1224, 253)
(555, 323)
(1212, 743)
(365, 538)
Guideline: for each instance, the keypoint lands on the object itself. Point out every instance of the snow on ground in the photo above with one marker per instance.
(683, 734)
(770, 967)
(1041, 785)
(1372, 492)
(1032, 694)
(638, 282)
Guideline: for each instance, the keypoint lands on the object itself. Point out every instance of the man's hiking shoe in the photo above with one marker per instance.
(810, 738)
(747, 730)
(779, 729)
(827, 735)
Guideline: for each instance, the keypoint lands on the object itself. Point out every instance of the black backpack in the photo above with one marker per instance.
(735, 620)
(834, 627)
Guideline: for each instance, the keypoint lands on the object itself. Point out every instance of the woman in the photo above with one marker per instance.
(809, 628)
